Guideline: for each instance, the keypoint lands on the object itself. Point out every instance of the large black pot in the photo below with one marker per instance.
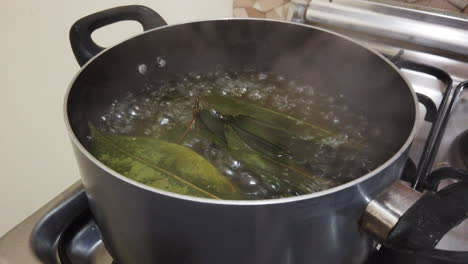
(145, 225)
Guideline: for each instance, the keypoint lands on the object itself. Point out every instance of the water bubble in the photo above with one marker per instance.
(235, 164)
(262, 76)
(147, 132)
(213, 152)
(270, 89)
(247, 180)
(301, 89)
(196, 76)
(280, 78)
(160, 62)
(240, 91)
(142, 69)
(280, 102)
(164, 121)
(255, 95)
(274, 187)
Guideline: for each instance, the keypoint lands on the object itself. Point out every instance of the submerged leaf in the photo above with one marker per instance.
(272, 134)
(174, 135)
(261, 137)
(260, 144)
(269, 172)
(213, 124)
(296, 179)
(161, 164)
(236, 107)
(276, 143)
(266, 160)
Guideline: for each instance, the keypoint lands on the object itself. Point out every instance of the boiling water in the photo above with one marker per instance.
(159, 111)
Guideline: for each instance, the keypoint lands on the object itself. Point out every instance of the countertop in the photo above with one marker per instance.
(36, 158)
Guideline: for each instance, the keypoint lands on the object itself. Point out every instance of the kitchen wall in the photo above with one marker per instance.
(36, 161)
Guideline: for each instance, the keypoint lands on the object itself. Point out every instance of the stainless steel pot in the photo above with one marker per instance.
(145, 225)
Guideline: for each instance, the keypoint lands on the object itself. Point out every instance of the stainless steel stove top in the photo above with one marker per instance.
(64, 228)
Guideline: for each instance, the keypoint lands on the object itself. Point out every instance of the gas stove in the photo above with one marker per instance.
(430, 49)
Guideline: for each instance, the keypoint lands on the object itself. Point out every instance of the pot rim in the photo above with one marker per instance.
(335, 189)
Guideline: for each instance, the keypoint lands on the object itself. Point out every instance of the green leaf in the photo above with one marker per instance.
(272, 134)
(213, 124)
(221, 132)
(237, 107)
(276, 143)
(174, 135)
(261, 137)
(260, 144)
(296, 179)
(263, 158)
(213, 127)
(161, 164)
(269, 172)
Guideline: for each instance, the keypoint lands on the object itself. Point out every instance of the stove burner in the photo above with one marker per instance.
(459, 151)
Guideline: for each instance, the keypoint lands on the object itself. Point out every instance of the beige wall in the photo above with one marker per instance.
(36, 161)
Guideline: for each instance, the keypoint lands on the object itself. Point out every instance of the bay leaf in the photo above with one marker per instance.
(277, 136)
(262, 145)
(162, 165)
(237, 107)
(261, 137)
(296, 179)
(213, 124)
(276, 143)
(263, 158)
(214, 127)
(176, 134)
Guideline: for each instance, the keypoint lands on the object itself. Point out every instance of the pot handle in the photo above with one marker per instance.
(417, 231)
(83, 45)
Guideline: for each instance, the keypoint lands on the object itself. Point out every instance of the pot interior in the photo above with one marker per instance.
(324, 60)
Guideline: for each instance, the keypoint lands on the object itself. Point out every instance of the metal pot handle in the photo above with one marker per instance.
(82, 44)
(411, 237)
(409, 224)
